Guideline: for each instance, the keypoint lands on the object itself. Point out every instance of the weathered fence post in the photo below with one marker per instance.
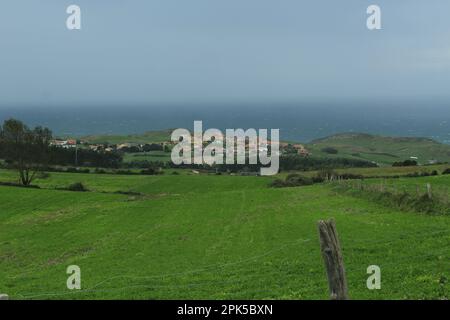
(4, 297)
(332, 256)
(429, 191)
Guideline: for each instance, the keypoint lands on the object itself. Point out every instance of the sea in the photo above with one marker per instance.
(301, 122)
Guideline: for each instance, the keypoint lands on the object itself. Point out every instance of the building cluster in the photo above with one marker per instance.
(284, 147)
(67, 144)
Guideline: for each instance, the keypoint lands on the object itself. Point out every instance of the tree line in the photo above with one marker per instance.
(28, 151)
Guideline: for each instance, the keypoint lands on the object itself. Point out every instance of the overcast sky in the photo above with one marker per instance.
(155, 52)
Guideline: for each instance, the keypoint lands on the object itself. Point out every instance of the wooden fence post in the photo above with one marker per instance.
(429, 191)
(332, 256)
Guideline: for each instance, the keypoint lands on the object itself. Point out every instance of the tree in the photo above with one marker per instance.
(330, 150)
(27, 150)
(406, 163)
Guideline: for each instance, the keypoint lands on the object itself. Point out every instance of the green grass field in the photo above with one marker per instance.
(210, 237)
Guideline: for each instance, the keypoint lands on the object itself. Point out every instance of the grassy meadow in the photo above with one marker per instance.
(201, 236)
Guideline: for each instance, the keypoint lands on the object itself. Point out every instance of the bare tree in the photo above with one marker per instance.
(25, 149)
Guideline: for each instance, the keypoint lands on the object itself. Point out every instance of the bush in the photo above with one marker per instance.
(406, 163)
(149, 171)
(293, 176)
(292, 180)
(277, 183)
(77, 186)
(129, 193)
(446, 171)
(325, 174)
(299, 181)
(413, 175)
(351, 176)
(422, 174)
(330, 150)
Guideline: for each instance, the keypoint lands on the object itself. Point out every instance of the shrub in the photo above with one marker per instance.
(299, 181)
(149, 171)
(129, 193)
(422, 174)
(277, 183)
(326, 174)
(292, 176)
(351, 176)
(413, 175)
(446, 171)
(330, 150)
(406, 163)
(77, 186)
(292, 180)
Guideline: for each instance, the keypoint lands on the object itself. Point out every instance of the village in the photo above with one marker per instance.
(166, 146)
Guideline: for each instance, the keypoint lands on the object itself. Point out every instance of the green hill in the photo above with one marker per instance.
(380, 149)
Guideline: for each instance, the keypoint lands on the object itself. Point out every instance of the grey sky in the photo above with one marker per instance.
(153, 52)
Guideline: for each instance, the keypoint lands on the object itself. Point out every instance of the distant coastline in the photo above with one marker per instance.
(296, 122)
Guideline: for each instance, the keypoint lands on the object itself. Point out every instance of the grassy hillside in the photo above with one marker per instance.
(207, 236)
(380, 149)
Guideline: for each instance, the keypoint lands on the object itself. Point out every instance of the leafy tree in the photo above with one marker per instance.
(25, 149)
